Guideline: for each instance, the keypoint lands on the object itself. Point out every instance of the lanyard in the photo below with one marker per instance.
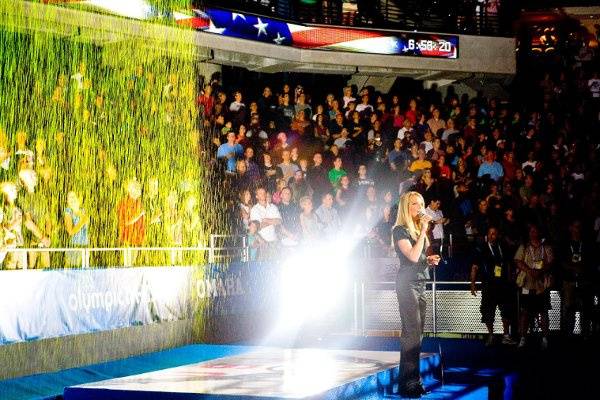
(573, 250)
(492, 250)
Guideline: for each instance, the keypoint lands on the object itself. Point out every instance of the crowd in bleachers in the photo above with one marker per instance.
(303, 169)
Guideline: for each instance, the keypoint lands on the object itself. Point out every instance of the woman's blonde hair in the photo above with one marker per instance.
(404, 219)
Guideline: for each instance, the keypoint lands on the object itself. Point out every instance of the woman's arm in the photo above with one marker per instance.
(413, 253)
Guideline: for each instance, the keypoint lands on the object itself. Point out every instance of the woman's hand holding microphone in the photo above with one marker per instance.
(432, 260)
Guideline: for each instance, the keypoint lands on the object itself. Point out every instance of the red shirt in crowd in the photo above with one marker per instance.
(134, 234)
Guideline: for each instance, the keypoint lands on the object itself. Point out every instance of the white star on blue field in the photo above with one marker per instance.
(249, 27)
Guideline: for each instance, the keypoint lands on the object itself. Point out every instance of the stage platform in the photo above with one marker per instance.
(263, 372)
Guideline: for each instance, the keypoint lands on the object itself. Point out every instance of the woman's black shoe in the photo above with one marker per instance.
(414, 392)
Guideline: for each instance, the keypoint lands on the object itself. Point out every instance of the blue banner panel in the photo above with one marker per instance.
(45, 304)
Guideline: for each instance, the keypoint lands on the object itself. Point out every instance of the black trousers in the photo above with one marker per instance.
(412, 303)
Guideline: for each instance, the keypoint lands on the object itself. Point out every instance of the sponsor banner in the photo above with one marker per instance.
(37, 304)
(45, 304)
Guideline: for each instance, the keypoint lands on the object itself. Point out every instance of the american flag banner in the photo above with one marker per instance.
(269, 30)
(276, 32)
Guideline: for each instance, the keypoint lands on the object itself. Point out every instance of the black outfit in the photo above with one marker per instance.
(496, 289)
(577, 293)
(410, 290)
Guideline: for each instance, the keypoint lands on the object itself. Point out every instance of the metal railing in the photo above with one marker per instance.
(450, 309)
(221, 248)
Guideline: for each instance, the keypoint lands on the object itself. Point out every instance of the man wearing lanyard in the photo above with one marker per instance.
(576, 294)
(491, 262)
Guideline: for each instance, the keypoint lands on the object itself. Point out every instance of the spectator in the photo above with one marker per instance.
(34, 206)
(336, 173)
(132, 221)
(576, 293)
(256, 243)
(289, 227)
(77, 223)
(230, 151)
(12, 222)
(420, 163)
(268, 216)
(491, 167)
(308, 220)
(492, 264)
(328, 217)
(534, 261)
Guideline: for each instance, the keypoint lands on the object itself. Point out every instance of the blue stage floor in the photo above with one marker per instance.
(470, 384)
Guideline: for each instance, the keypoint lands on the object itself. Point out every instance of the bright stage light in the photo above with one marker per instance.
(137, 9)
(313, 282)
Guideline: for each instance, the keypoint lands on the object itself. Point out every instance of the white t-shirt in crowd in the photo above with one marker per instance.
(258, 213)
(438, 229)
(594, 86)
(402, 133)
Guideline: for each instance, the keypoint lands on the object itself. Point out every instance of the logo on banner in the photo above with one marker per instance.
(219, 287)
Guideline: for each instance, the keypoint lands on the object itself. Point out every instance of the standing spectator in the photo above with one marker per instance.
(437, 218)
(317, 177)
(308, 220)
(336, 173)
(300, 187)
(491, 167)
(12, 223)
(256, 243)
(420, 163)
(287, 167)
(534, 261)
(328, 217)
(492, 264)
(436, 123)
(35, 212)
(268, 217)
(290, 223)
(77, 223)
(230, 151)
(132, 224)
(576, 293)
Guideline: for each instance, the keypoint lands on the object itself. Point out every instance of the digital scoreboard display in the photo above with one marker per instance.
(268, 30)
